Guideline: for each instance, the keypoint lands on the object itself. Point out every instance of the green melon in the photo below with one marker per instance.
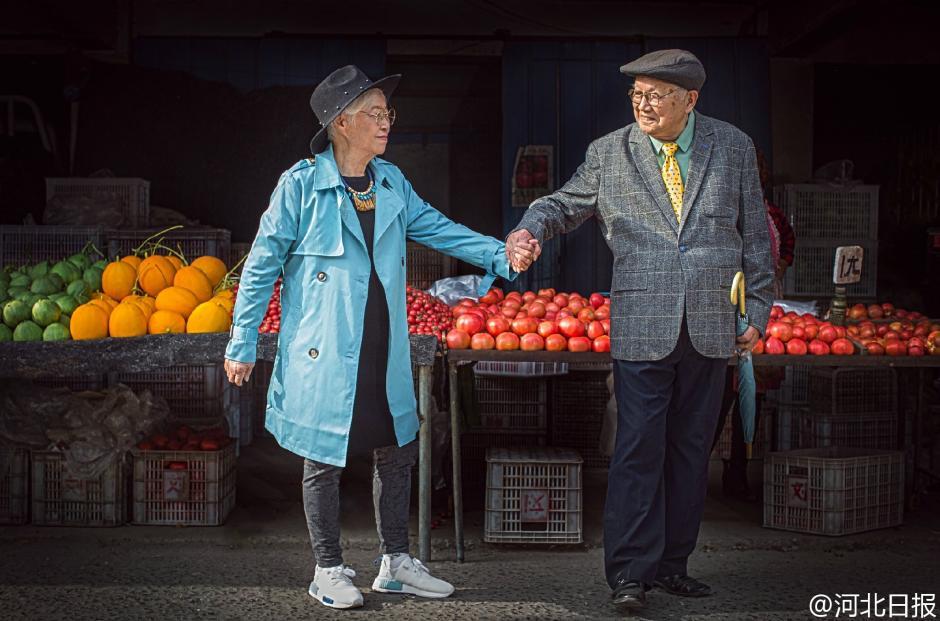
(80, 260)
(56, 332)
(68, 271)
(27, 331)
(46, 312)
(68, 304)
(20, 280)
(39, 270)
(6, 334)
(45, 285)
(92, 278)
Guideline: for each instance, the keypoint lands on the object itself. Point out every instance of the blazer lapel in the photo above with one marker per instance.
(641, 150)
(698, 164)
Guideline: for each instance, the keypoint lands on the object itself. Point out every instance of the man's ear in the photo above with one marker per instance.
(691, 101)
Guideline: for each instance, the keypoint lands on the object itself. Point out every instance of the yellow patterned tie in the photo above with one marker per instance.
(673, 178)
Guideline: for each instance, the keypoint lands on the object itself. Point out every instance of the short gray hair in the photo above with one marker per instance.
(354, 106)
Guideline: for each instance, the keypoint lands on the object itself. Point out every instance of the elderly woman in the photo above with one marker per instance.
(342, 386)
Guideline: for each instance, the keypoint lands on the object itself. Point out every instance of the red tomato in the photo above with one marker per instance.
(547, 328)
(601, 343)
(603, 312)
(482, 340)
(586, 315)
(507, 341)
(818, 348)
(497, 324)
(597, 300)
(842, 347)
(895, 348)
(796, 347)
(531, 342)
(827, 334)
(525, 325)
(469, 322)
(579, 343)
(759, 347)
(556, 342)
(875, 349)
(780, 330)
(571, 327)
(209, 445)
(537, 310)
(458, 339)
(774, 346)
(561, 300)
(595, 329)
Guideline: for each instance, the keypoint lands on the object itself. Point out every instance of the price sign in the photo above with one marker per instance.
(848, 265)
(535, 505)
(799, 488)
(175, 485)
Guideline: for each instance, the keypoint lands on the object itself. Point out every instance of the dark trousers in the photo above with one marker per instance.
(666, 416)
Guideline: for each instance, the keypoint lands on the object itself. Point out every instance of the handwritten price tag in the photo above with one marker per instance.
(535, 505)
(848, 265)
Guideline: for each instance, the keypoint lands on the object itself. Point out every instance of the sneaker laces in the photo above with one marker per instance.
(340, 574)
(418, 567)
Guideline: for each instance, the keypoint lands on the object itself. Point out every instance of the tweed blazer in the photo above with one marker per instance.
(666, 270)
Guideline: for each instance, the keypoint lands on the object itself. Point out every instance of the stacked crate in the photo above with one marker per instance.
(790, 402)
(424, 266)
(823, 218)
(851, 407)
(193, 242)
(579, 404)
(14, 496)
(131, 193)
(506, 412)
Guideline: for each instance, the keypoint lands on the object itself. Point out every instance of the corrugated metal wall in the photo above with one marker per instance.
(568, 93)
(250, 64)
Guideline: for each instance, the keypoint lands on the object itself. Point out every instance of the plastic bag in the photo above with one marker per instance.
(452, 290)
(800, 308)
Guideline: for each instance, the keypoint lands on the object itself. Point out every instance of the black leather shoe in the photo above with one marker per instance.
(685, 586)
(629, 594)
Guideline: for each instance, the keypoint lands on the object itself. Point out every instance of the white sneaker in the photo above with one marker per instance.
(333, 587)
(410, 576)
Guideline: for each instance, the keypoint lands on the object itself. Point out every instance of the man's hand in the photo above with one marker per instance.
(522, 249)
(238, 372)
(748, 340)
(781, 268)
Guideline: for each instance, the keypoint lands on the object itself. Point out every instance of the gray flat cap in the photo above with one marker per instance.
(678, 67)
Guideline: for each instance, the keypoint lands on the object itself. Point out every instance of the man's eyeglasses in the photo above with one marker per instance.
(654, 99)
(379, 117)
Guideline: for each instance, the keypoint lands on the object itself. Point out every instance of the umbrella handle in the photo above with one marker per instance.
(737, 292)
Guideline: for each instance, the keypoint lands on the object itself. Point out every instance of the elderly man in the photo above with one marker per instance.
(678, 198)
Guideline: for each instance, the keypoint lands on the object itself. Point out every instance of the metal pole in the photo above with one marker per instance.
(424, 463)
(454, 389)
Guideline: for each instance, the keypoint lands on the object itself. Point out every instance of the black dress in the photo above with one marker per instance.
(372, 425)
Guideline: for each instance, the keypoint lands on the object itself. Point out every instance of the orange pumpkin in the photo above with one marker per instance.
(155, 274)
(89, 321)
(150, 302)
(195, 280)
(212, 267)
(178, 300)
(175, 260)
(208, 317)
(127, 320)
(118, 279)
(132, 259)
(166, 322)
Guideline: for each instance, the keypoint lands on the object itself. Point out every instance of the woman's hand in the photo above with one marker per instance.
(238, 372)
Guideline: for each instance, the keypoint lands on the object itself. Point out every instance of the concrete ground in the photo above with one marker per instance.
(258, 565)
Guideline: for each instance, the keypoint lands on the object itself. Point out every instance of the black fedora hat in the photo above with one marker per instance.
(338, 90)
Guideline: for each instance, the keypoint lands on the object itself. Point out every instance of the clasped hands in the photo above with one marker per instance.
(522, 249)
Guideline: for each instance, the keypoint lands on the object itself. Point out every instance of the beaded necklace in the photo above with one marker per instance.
(365, 200)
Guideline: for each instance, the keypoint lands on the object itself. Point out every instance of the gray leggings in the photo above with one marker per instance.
(391, 494)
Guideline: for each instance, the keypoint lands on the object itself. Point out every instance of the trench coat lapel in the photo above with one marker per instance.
(641, 151)
(388, 205)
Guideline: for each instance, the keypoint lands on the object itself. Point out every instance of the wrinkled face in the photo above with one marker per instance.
(367, 128)
(666, 119)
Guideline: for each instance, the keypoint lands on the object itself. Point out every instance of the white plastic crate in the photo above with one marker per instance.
(827, 211)
(192, 241)
(14, 499)
(833, 491)
(184, 488)
(533, 496)
(59, 499)
(512, 404)
(846, 391)
(505, 368)
(20, 245)
(475, 442)
(878, 431)
(132, 193)
(811, 272)
(789, 417)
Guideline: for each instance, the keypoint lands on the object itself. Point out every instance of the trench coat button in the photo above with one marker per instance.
(321, 276)
(313, 353)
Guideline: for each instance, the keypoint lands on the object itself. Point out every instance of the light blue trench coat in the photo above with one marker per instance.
(311, 231)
